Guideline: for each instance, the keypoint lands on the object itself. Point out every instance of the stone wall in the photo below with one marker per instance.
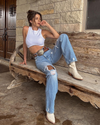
(63, 15)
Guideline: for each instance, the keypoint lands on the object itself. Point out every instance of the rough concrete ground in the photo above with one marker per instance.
(25, 105)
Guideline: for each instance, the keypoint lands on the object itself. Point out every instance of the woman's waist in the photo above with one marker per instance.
(34, 49)
(41, 51)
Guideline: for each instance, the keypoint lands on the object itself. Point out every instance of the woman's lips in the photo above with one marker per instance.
(39, 23)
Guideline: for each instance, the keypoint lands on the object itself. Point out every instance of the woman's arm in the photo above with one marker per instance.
(24, 32)
(52, 34)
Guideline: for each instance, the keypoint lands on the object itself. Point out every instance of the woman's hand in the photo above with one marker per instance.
(44, 23)
(24, 63)
(48, 34)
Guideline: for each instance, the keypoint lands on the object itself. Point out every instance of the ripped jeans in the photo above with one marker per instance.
(62, 47)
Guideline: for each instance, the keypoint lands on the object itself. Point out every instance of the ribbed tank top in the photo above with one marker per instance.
(34, 37)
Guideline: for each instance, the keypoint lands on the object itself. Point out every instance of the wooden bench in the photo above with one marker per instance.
(87, 49)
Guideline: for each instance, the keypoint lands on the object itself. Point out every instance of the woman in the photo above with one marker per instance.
(34, 39)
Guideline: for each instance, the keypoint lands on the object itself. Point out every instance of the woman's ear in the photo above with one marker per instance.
(31, 21)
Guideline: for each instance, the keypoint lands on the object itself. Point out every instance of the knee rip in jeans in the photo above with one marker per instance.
(49, 67)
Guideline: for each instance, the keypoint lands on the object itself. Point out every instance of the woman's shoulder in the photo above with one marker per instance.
(25, 27)
(25, 30)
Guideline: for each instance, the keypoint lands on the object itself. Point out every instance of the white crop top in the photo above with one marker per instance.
(34, 37)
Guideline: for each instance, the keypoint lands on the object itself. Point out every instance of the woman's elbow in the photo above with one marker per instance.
(57, 36)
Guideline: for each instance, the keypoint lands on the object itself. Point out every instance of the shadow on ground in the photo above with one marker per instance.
(4, 68)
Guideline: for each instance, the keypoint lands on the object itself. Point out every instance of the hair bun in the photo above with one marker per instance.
(30, 11)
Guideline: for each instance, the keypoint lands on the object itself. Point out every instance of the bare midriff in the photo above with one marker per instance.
(35, 48)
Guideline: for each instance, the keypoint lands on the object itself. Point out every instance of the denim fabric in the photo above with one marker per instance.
(62, 47)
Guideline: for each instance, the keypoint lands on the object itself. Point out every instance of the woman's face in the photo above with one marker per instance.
(36, 20)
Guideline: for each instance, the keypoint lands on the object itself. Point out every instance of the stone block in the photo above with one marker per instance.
(19, 39)
(23, 8)
(43, 7)
(51, 22)
(76, 5)
(51, 16)
(20, 2)
(18, 32)
(47, 21)
(76, 17)
(71, 17)
(71, 27)
(26, 23)
(20, 23)
(32, 7)
(33, 2)
(48, 1)
(53, 1)
(56, 21)
(62, 6)
(41, 2)
(57, 27)
(46, 7)
(20, 16)
(45, 12)
(63, 18)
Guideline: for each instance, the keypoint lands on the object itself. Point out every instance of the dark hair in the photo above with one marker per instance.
(31, 14)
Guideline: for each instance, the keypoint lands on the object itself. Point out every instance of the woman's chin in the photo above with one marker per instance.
(38, 26)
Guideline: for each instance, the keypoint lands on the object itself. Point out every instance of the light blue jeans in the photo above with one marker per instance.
(62, 47)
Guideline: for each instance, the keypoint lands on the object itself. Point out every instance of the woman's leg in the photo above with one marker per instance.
(63, 47)
(51, 87)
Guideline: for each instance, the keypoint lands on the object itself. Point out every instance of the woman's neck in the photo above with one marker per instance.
(34, 28)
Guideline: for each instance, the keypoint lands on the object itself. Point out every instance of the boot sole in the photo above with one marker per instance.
(74, 77)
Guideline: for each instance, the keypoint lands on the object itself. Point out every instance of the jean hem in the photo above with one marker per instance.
(49, 112)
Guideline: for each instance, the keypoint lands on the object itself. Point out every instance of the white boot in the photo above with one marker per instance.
(73, 71)
(51, 117)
